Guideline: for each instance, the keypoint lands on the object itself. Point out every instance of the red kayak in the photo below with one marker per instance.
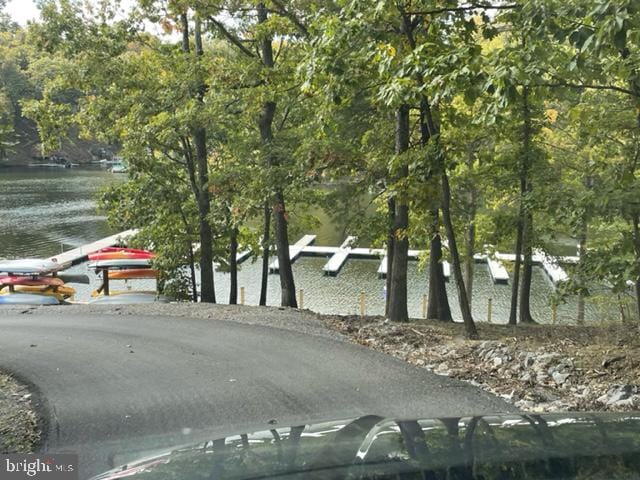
(33, 281)
(118, 253)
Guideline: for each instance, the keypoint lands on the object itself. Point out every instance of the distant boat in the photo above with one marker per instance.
(119, 168)
(53, 165)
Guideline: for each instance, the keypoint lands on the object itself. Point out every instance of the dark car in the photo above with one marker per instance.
(576, 446)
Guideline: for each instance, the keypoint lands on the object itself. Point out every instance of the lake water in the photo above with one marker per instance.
(44, 211)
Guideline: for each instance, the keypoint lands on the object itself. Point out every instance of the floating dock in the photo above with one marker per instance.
(338, 256)
(497, 271)
(79, 255)
(294, 251)
(335, 263)
(550, 265)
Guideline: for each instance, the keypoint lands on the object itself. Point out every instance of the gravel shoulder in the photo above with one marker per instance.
(19, 428)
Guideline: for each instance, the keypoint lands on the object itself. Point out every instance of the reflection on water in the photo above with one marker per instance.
(40, 210)
(45, 210)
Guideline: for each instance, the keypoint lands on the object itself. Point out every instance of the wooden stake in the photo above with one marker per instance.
(241, 295)
(489, 308)
(301, 302)
(424, 306)
(361, 304)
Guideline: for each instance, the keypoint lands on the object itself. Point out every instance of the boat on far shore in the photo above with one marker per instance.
(52, 162)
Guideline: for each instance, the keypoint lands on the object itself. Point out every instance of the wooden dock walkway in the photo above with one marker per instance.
(294, 251)
(550, 265)
(338, 256)
(335, 263)
(79, 255)
(497, 271)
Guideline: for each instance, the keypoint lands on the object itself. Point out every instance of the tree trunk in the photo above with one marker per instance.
(192, 260)
(266, 240)
(467, 318)
(515, 286)
(398, 292)
(438, 303)
(636, 243)
(192, 271)
(470, 233)
(470, 236)
(200, 179)
(391, 240)
(527, 218)
(527, 271)
(233, 267)
(465, 310)
(287, 284)
(582, 250)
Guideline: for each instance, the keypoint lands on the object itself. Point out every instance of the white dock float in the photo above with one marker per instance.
(294, 251)
(319, 251)
(382, 269)
(77, 255)
(446, 269)
(497, 271)
(550, 266)
(335, 263)
(243, 255)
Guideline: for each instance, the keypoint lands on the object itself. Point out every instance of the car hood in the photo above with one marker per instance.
(502, 446)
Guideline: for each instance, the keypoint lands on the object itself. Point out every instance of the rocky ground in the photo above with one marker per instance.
(537, 368)
(19, 430)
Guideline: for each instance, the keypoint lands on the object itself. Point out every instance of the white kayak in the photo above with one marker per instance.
(29, 266)
(28, 299)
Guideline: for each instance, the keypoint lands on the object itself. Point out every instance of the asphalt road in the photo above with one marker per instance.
(115, 387)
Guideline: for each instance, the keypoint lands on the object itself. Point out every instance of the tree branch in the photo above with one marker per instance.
(231, 37)
(589, 86)
(291, 16)
(474, 6)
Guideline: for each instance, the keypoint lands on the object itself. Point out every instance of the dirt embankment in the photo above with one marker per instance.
(19, 431)
(537, 368)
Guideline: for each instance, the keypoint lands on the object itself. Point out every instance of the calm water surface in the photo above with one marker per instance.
(43, 211)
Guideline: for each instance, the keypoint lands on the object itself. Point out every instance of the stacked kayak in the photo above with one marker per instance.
(124, 264)
(32, 282)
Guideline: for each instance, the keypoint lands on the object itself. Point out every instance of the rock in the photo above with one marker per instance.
(560, 378)
(442, 368)
(497, 361)
(608, 361)
(619, 393)
(545, 359)
(541, 377)
(525, 377)
(529, 360)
